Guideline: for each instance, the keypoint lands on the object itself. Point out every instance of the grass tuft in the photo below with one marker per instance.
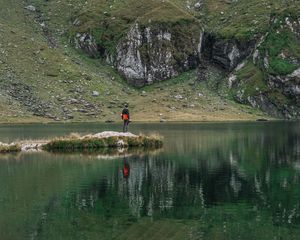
(9, 148)
(92, 143)
(280, 66)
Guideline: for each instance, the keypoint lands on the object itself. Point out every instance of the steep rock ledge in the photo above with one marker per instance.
(149, 54)
(271, 79)
(226, 53)
(155, 53)
(263, 70)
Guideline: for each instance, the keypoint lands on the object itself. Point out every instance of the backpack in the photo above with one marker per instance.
(125, 117)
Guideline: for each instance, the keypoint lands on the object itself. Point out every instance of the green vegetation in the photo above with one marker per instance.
(251, 80)
(244, 19)
(279, 56)
(109, 23)
(277, 97)
(57, 76)
(63, 79)
(281, 45)
(281, 67)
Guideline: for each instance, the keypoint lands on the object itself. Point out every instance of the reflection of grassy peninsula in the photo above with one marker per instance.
(109, 153)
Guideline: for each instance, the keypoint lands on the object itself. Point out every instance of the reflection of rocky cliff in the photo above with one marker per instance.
(256, 168)
(156, 178)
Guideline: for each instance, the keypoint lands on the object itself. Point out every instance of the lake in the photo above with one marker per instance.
(209, 181)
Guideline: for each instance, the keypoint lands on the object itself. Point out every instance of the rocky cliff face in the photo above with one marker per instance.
(274, 85)
(148, 54)
(263, 70)
(87, 43)
(226, 53)
(280, 99)
(155, 53)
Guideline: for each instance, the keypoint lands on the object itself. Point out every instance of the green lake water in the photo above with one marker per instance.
(209, 181)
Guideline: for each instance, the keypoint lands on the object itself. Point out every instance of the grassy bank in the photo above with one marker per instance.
(93, 143)
(89, 143)
(9, 148)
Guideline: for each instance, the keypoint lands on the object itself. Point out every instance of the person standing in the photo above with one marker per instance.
(126, 118)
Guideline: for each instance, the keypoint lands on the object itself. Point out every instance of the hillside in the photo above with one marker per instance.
(82, 60)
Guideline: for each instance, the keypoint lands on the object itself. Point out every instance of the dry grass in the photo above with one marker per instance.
(90, 143)
(9, 148)
(74, 136)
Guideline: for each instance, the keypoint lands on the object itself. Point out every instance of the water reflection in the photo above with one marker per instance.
(126, 168)
(213, 182)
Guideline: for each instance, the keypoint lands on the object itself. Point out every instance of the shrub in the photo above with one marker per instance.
(281, 67)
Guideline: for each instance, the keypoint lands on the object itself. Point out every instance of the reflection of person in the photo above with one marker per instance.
(126, 118)
(126, 168)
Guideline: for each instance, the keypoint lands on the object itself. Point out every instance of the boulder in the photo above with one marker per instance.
(198, 5)
(95, 94)
(30, 8)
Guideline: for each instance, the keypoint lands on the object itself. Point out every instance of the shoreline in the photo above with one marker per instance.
(151, 122)
(90, 142)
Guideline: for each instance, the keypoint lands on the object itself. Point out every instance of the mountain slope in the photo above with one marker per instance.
(150, 41)
(44, 76)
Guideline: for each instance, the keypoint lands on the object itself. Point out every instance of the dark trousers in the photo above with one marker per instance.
(125, 126)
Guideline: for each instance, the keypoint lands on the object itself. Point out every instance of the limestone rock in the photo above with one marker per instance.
(151, 54)
(198, 5)
(86, 42)
(148, 54)
(107, 134)
(30, 8)
(95, 94)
